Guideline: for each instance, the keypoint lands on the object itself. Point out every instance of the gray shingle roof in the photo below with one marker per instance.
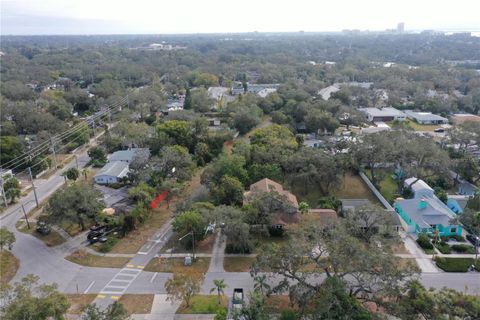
(435, 212)
(117, 169)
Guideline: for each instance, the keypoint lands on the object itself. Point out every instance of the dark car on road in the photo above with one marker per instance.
(43, 228)
(475, 240)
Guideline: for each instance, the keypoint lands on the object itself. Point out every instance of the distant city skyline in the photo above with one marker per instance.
(29, 17)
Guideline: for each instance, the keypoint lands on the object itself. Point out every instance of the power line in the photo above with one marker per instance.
(44, 146)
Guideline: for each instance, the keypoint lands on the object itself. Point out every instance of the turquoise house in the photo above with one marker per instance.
(425, 213)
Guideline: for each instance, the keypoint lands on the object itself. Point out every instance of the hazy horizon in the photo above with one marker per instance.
(89, 17)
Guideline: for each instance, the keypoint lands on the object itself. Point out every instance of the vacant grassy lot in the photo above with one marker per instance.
(204, 246)
(51, 240)
(204, 304)
(388, 187)
(353, 187)
(89, 260)
(137, 303)
(176, 265)
(8, 266)
(79, 301)
(238, 264)
(133, 241)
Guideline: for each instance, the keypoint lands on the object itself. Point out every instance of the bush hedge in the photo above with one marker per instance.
(424, 242)
(456, 264)
(454, 237)
(108, 245)
(443, 247)
(463, 248)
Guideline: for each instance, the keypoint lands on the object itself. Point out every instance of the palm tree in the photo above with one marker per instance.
(219, 286)
(261, 284)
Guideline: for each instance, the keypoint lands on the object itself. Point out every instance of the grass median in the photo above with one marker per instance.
(84, 258)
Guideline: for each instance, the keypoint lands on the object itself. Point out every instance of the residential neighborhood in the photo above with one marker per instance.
(238, 176)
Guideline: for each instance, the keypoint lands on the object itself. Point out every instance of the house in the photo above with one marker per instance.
(425, 117)
(383, 114)
(324, 216)
(217, 93)
(123, 156)
(267, 185)
(112, 172)
(425, 213)
(419, 187)
(118, 165)
(326, 93)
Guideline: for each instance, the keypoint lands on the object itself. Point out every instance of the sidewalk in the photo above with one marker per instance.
(424, 261)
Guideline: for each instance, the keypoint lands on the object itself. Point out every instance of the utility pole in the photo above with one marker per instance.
(33, 185)
(54, 154)
(26, 217)
(76, 160)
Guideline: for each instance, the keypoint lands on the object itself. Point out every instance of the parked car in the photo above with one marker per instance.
(439, 130)
(43, 228)
(100, 237)
(98, 227)
(475, 240)
(237, 299)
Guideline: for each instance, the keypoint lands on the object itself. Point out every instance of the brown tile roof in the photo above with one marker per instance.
(267, 185)
(325, 216)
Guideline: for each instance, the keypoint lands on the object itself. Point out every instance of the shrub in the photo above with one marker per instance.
(108, 245)
(456, 264)
(289, 315)
(463, 248)
(443, 247)
(424, 242)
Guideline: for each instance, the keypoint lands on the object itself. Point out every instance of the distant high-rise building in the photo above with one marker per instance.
(401, 27)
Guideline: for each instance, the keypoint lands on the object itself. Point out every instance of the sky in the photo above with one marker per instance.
(31, 17)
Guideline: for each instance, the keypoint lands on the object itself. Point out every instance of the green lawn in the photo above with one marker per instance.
(456, 264)
(388, 187)
(176, 265)
(204, 304)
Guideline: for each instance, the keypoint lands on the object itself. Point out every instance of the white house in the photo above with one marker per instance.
(112, 172)
(384, 114)
(425, 117)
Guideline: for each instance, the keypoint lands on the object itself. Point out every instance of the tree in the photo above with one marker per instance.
(72, 174)
(370, 221)
(202, 154)
(245, 120)
(7, 238)
(177, 130)
(183, 286)
(98, 156)
(261, 284)
(174, 162)
(29, 300)
(188, 104)
(303, 207)
(11, 186)
(368, 270)
(415, 302)
(317, 120)
(255, 309)
(190, 221)
(229, 191)
(201, 102)
(11, 148)
(310, 167)
(115, 311)
(225, 165)
(141, 193)
(219, 287)
(75, 203)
